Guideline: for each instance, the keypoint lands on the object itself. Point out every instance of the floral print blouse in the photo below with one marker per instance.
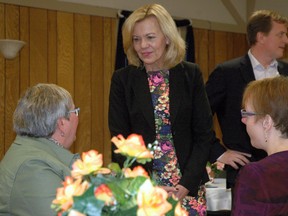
(166, 171)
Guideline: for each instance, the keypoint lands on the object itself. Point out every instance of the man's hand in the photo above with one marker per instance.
(233, 158)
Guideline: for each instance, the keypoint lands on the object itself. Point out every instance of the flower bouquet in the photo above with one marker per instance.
(214, 170)
(94, 190)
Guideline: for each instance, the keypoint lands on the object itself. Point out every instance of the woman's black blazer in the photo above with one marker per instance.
(131, 111)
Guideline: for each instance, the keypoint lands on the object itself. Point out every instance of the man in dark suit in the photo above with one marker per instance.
(267, 38)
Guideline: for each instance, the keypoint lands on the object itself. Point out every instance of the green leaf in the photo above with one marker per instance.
(125, 191)
(143, 160)
(114, 167)
(87, 203)
(174, 203)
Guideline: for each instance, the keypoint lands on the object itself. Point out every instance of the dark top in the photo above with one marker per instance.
(131, 111)
(224, 88)
(261, 187)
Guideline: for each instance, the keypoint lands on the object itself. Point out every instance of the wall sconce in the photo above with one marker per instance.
(10, 48)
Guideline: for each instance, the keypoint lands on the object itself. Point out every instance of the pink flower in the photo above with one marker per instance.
(157, 79)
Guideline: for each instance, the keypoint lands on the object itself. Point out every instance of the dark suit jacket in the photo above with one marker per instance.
(131, 111)
(224, 88)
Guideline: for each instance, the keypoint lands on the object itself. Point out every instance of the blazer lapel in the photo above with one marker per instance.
(246, 69)
(176, 85)
(142, 93)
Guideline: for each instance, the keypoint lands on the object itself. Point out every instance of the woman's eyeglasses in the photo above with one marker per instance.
(245, 114)
(76, 111)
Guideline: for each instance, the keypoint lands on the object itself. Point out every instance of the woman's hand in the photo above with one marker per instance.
(181, 192)
(169, 190)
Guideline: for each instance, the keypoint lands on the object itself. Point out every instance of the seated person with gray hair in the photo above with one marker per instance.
(37, 162)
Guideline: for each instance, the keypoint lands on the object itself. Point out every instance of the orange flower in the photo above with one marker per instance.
(104, 193)
(152, 200)
(137, 171)
(179, 211)
(91, 162)
(64, 195)
(133, 146)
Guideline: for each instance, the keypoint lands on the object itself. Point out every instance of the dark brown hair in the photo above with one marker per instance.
(261, 21)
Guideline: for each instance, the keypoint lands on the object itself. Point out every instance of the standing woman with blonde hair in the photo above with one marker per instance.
(162, 97)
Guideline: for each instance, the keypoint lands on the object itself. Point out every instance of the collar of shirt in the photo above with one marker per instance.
(260, 71)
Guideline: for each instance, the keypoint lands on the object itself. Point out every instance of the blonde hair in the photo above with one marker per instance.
(270, 96)
(175, 51)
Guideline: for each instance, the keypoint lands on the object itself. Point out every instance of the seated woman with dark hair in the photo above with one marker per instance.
(38, 160)
(261, 187)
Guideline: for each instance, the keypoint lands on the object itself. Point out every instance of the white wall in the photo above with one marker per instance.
(227, 15)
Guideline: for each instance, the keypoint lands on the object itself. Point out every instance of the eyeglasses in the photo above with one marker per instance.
(76, 111)
(245, 114)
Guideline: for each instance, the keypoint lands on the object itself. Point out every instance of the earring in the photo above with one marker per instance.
(266, 137)
(62, 134)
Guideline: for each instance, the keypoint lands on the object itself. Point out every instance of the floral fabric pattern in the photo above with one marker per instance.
(166, 169)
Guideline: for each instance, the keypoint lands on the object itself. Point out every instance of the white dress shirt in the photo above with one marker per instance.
(260, 71)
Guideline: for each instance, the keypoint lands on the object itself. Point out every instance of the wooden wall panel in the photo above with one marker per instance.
(108, 70)
(2, 85)
(65, 51)
(97, 84)
(12, 73)
(38, 46)
(82, 84)
(52, 46)
(202, 50)
(240, 44)
(25, 52)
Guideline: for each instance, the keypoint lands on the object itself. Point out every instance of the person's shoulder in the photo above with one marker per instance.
(257, 168)
(187, 64)
(127, 69)
(189, 67)
(235, 61)
(282, 62)
(283, 65)
(126, 73)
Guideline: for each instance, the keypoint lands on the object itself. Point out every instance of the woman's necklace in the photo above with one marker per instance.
(55, 142)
